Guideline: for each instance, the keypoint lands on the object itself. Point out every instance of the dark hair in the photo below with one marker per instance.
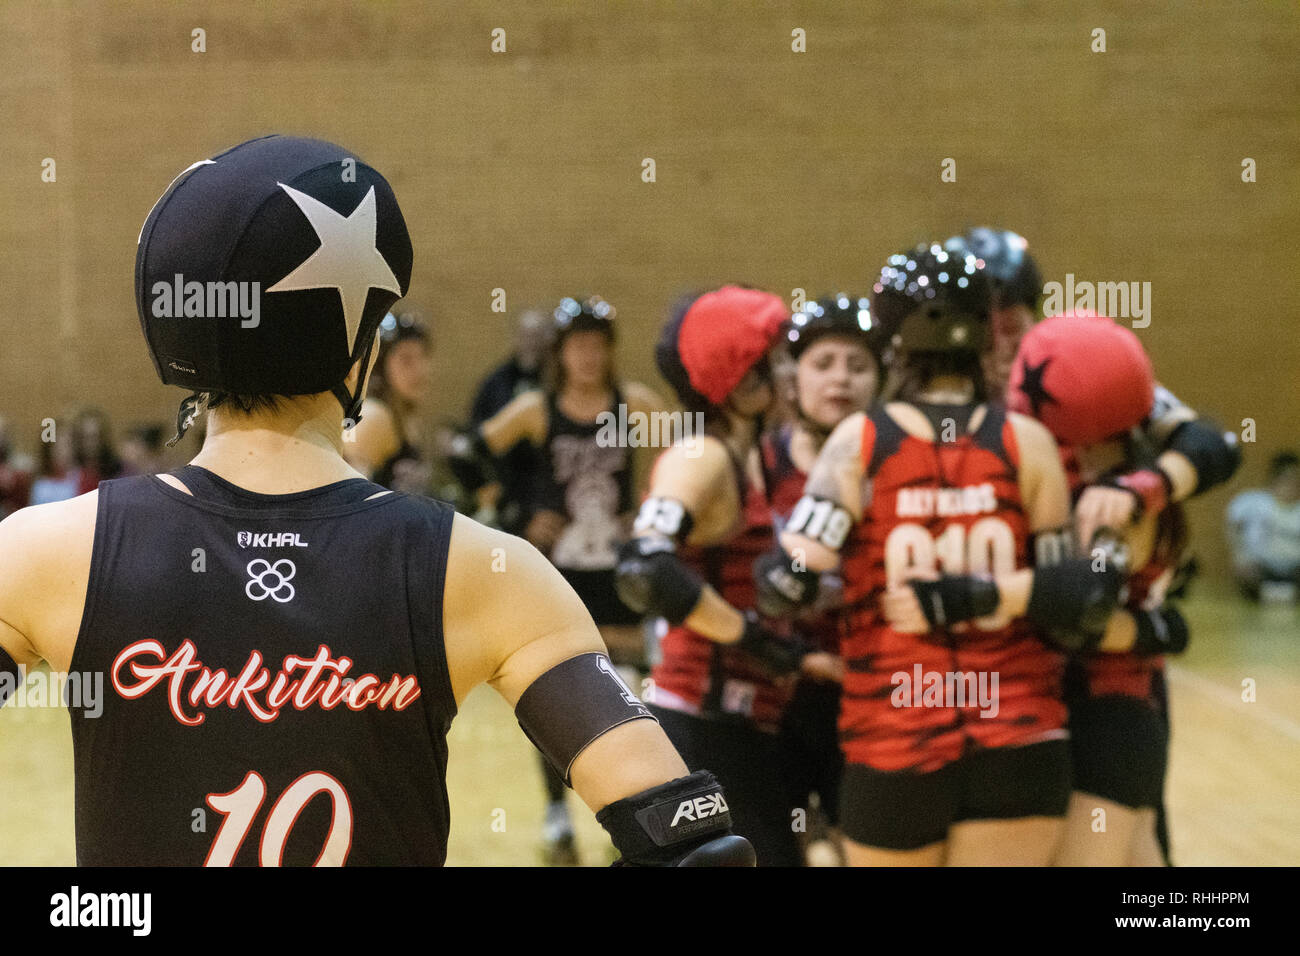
(248, 404)
(920, 367)
(1281, 462)
(405, 326)
(553, 375)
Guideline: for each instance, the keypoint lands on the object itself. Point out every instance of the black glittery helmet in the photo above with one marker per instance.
(933, 298)
(842, 314)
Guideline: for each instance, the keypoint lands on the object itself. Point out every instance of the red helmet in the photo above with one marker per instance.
(1083, 376)
(713, 340)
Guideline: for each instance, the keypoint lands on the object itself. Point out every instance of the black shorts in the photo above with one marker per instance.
(906, 810)
(597, 591)
(753, 768)
(809, 731)
(1120, 749)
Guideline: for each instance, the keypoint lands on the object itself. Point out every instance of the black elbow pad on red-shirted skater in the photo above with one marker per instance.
(1214, 453)
(651, 579)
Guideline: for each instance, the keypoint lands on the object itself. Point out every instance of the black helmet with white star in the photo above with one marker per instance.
(933, 298)
(843, 314)
(267, 269)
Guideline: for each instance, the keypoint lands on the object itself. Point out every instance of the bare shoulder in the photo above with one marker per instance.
(1033, 438)
(45, 553)
(501, 596)
(693, 468)
(642, 398)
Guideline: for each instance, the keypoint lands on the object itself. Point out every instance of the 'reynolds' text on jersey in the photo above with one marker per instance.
(947, 502)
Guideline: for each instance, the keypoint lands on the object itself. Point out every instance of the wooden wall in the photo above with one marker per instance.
(522, 170)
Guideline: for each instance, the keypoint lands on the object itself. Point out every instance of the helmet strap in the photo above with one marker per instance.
(191, 407)
(352, 401)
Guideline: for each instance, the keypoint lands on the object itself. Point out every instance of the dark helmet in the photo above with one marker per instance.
(402, 326)
(842, 314)
(266, 270)
(933, 298)
(592, 314)
(1012, 271)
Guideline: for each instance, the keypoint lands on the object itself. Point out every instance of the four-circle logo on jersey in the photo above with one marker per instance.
(270, 580)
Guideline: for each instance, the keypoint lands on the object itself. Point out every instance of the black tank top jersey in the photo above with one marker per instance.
(590, 482)
(276, 687)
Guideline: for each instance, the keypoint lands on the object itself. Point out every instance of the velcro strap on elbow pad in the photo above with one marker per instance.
(666, 516)
(659, 826)
(1214, 453)
(10, 676)
(1073, 597)
(572, 704)
(821, 519)
(651, 579)
(1162, 631)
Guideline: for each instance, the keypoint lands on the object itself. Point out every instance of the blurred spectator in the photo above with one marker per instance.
(388, 444)
(521, 372)
(92, 450)
(15, 476)
(1264, 531)
(142, 450)
(58, 476)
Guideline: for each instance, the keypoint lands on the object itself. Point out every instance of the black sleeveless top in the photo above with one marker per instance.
(276, 686)
(587, 477)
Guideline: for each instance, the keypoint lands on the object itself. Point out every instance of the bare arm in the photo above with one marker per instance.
(836, 476)
(524, 418)
(695, 482)
(509, 618)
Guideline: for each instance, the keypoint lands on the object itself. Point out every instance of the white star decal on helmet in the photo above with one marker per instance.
(347, 259)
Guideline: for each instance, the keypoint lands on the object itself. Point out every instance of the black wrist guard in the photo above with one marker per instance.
(1149, 486)
(665, 824)
(777, 654)
(1163, 631)
(470, 461)
(781, 587)
(1072, 602)
(955, 598)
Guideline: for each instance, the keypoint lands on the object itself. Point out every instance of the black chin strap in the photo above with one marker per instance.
(351, 401)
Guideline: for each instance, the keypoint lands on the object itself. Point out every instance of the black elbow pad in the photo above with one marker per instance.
(651, 579)
(1214, 453)
(10, 676)
(1073, 602)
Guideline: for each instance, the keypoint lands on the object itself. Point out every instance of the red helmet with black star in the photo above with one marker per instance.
(711, 342)
(1085, 377)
